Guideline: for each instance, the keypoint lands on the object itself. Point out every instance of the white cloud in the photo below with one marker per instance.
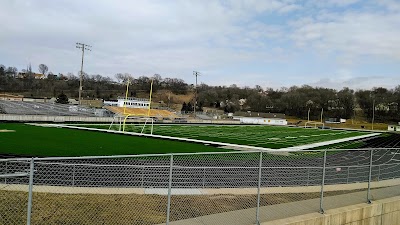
(175, 37)
(352, 34)
(331, 3)
(391, 5)
(143, 36)
(362, 82)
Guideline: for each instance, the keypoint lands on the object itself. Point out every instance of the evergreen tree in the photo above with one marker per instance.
(62, 99)
(184, 107)
(189, 107)
(199, 107)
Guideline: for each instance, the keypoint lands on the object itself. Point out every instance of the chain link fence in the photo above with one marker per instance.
(202, 188)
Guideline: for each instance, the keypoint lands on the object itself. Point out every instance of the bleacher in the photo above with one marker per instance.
(155, 113)
(40, 108)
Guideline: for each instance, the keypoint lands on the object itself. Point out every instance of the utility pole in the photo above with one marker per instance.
(373, 113)
(195, 73)
(83, 47)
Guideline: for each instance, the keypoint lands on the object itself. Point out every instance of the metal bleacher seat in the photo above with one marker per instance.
(41, 108)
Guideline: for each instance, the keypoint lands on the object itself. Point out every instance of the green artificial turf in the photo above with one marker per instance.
(32, 140)
(273, 137)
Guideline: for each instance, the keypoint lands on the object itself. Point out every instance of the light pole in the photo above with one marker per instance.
(83, 47)
(195, 73)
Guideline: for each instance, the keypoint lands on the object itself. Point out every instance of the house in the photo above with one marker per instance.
(394, 127)
(51, 76)
(39, 76)
(23, 75)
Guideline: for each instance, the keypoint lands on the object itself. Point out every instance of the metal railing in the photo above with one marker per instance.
(175, 188)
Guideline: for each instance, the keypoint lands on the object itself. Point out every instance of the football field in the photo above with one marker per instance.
(274, 137)
(30, 140)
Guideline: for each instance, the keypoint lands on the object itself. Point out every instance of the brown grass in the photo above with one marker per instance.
(71, 209)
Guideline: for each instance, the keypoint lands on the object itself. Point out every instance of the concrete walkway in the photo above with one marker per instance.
(286, 210)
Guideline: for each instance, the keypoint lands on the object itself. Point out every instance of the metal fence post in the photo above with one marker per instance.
(370, 177)
(379, 172)
(308, 176)
(73, 176)
(258, 191)
(5, 178)
(348, 175)
(28, 219)
(142, 179)
(321, 203)
(204, 176)
(169, 188)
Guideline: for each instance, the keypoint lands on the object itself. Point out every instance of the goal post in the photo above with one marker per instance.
(141, 121)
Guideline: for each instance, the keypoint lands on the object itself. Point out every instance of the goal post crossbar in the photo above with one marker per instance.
(314, 123)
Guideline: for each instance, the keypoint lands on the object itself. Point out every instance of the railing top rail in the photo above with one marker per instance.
(186, 154)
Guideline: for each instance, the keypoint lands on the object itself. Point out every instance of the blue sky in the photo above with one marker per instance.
(272, 43)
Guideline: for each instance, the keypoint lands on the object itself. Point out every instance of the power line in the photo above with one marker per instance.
(83, 47)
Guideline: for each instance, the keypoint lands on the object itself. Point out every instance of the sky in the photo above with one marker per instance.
(271, 43)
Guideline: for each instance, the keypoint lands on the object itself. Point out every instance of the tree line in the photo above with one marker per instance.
(297, 101)
(382, 103)
(94, 86)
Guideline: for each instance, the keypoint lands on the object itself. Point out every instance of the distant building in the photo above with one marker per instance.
(395, 127)
(262, 121)
(9, 97)
(260, 114)
(39, 76)
(24, 75)
(52, 76)
(130, 102)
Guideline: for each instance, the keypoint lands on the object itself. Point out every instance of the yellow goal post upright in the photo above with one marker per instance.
(138, 117)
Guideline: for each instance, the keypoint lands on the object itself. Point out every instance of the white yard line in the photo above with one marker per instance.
(232, 146)
(159, 136)
(314, 145)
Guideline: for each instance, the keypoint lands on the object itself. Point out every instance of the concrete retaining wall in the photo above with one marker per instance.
(380, 212)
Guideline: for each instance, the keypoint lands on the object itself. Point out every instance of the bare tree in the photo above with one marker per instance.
(43, 69)
(13, 71)
(123, 78)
